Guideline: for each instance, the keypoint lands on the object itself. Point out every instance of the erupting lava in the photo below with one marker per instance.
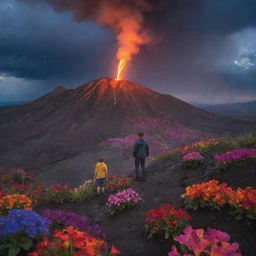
(124, 17)
(120, 69)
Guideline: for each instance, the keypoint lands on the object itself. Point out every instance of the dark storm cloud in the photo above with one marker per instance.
(209, 16)
(39, 44)
(227, 16)
(194, 43)
(191, 39)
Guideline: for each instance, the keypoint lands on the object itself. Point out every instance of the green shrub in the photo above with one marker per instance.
(167, 156)
(242, 141)
(82, 193)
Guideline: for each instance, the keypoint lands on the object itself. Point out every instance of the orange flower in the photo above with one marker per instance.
(220, 194)
(44, 242)
(72, 238)
(62, 236)
(17, 201)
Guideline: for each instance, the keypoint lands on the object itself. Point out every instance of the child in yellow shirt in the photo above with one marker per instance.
(100, 175)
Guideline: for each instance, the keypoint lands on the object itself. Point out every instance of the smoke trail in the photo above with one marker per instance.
(123, 17)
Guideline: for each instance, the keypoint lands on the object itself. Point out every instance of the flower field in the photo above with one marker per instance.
(24, 232)
(53, 232)
(36, 220)
(161, 135)
(27, 190)
(236, 152)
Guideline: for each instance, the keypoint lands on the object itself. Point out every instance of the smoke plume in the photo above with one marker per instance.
(123, 17)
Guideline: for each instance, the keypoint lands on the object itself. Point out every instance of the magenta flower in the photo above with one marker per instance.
(174, 252)
(65, 219)
(161, 135)
(214, 234)
(212, 242)
(236, 154)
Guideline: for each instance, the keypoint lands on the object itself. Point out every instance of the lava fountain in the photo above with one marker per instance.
(120, 68)
(125, 18)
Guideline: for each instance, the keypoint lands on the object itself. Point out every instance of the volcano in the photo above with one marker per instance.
(58, 136)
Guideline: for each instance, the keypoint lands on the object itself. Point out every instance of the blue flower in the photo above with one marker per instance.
(26, 221)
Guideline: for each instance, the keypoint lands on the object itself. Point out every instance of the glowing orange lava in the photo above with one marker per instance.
(120, 69)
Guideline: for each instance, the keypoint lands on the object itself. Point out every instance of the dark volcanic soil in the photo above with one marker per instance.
(165, 184)
(58, 135)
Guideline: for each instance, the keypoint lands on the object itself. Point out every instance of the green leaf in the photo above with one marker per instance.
(3, 247)
(27, 244)
(14, 251)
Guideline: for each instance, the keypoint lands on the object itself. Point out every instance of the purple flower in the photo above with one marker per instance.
(236, 154)
(72, 219)
(161, 135)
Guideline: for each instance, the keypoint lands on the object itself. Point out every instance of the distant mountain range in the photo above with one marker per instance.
(11, 103)
(245, 110)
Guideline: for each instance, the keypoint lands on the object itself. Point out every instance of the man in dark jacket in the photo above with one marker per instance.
(140, 152)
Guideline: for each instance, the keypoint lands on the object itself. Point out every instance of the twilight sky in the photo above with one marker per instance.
(201, 51)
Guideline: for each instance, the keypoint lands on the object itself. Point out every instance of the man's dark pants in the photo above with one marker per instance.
(140, 162)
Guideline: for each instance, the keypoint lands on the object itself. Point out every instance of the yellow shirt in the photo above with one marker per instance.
(101, 170)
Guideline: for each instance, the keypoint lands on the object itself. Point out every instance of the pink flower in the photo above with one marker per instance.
(213, 243)
(193, 156)
(214, 234)
(123, 197)
(174, 252)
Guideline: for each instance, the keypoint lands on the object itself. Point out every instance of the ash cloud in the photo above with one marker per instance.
(124, 17)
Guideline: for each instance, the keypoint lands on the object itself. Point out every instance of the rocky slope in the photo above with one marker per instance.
(58, 135)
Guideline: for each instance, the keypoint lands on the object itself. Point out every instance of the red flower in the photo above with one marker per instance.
(155, 228)
(114, 251)
(173, 222)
